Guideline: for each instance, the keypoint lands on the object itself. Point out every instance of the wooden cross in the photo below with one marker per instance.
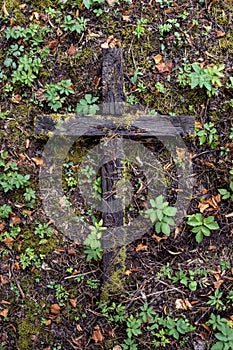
(115, 123)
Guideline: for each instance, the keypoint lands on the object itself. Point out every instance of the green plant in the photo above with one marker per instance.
(140, 28)
(136, 74)
(93, 283)
(27, 69)
(160, 87)
(4, 115)
(60, 292)
(202, 226)
(129, 344)
(5, 210)
(133, 326)
(56, 93)
(74, 25)
(92, 243)
(230, 298)
(225, 338)
(228, 194)
(165, 3)
(44, 231)
(161, 214)
(207, 134)
(29, 258)
(215, 300)
(90, 3)
(87, 105)
(208, 77)
(147, 313)
(10, 179)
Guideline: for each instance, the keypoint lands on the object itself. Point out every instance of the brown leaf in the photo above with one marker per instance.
(38, 161)
(52, 44)
(110, 2)
(15, 219)
(39, 95)
(183, 304)
(55, 309)
(79, 328)
(73, 302)
(117, 347)
(4, 279)
(126, 18)
(218, 284)
(16, 98)
(9, 241)
(207, 328)
(220, 34)
(4, 312)
(203, 206)
(5, 302)
(164, 67)
(158, 238)
(141, 247)
(4, 10)
(212, 248)
(158, 58)
(97, 335)
(72, 50)
(2, 226)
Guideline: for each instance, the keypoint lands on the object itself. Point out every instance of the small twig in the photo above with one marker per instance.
(80, 274)
(17, 283)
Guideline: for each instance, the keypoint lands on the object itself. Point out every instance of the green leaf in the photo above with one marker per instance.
(199, 237)
(170, 211)
(165, 228)
(195, 219)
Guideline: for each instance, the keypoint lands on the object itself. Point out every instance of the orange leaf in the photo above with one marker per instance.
(97, 335)
(207, 328)
(55, 309)
(16, 98)
(9, 241)
(52, 44)
(203, 206)
(38, 161)
(126, 18)
(183, 304)
(220, 34)
(73, 302)
(158, 58)
(141, 247)
(218, 284)
(4, 313)
(72, 50)
(164, 67)
(4, 302)
(158, 238)
(15, 219)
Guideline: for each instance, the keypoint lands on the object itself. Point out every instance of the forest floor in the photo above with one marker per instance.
(171, 287)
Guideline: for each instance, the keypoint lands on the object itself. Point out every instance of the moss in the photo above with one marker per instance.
(116, 283)
(30, 325)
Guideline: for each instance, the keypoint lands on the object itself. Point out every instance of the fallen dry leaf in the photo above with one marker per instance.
(9, 241)
(218, 284)
(97, 335)
(4, 312)
(158, 58)
(71, 51)
(2, 226)
(4, 10)
(38, 161)
(202, 206)
(15, 219)
(16, 98)
(5, 302)
(52, 44)
(164, 67)
(111, 2)
(79, 328)
(117, 347)
(73, 302)
(141, 247)
(55, 309)
(39, 95)
(126, 18)
(220, 34)
(183, 304)
(158, 238)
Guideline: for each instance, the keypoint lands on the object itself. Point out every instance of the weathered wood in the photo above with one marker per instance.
(143, 126)
(112, 81)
